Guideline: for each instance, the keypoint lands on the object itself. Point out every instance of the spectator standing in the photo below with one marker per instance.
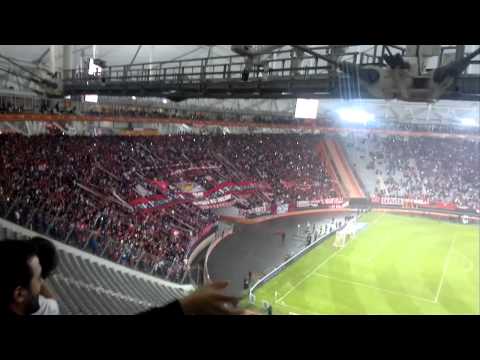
(48, 257)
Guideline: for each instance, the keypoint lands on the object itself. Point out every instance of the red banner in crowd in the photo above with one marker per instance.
(288, 184)
(214, 198)
(225, 188)
(145, 200)
(236, 188)
(444, 205)
(161, 184)
(218, 205)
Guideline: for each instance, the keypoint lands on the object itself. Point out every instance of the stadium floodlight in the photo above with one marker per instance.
(469, 122)
(355, 115)
(93, 98)
(134, 98)
(93, 68)
(165, 100)
(306, 109)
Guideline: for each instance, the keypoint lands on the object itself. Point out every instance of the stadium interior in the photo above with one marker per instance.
(316, 179)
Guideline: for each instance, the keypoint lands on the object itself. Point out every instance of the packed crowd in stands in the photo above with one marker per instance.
(144, 111)
(162, 113)
(80, 189)
(228, 115)
(57, 109)
(439, 170)
(9, 108)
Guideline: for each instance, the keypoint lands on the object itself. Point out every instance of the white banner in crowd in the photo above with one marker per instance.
(282, 209)
(260, 210)
(399, 201)
(213, 201)
(318, 202)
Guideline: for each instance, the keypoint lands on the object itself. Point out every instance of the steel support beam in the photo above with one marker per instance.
(40, 59)
(135, 56)
(187, 53)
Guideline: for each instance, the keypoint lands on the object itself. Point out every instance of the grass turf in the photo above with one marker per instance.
(396, 265)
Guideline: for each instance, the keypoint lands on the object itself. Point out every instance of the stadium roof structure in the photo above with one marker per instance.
(20, 64)
(112, 54)
(22, 68)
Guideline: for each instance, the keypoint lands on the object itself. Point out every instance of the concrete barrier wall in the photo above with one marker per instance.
(241, 220)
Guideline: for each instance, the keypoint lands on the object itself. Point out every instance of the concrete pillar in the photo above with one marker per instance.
(67, 59)
(150, 60)
(53, 65)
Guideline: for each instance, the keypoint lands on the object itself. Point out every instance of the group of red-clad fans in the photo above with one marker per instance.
(81, 189)
(86, 190)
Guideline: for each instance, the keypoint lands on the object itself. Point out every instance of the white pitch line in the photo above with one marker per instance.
(313, 271)
(375, 288)
(357, 260)
(297, 310)
(382, 214)
(445, 265)
(382, 243)
(308, 275)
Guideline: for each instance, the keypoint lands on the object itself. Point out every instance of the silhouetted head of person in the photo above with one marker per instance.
(47, 254)
(20, 277)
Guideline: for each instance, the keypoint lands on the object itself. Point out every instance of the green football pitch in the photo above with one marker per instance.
(395, 265)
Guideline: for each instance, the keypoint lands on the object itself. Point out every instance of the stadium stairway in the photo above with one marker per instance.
(357, 150)
(88, 285)
(340, 170)
(323, 153)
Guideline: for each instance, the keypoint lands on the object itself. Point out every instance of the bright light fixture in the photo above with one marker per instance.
(469, 122)
(134, 98)
(165, 101)
(93, 98)
(306, 109)
(355, 115)
(93, 69)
